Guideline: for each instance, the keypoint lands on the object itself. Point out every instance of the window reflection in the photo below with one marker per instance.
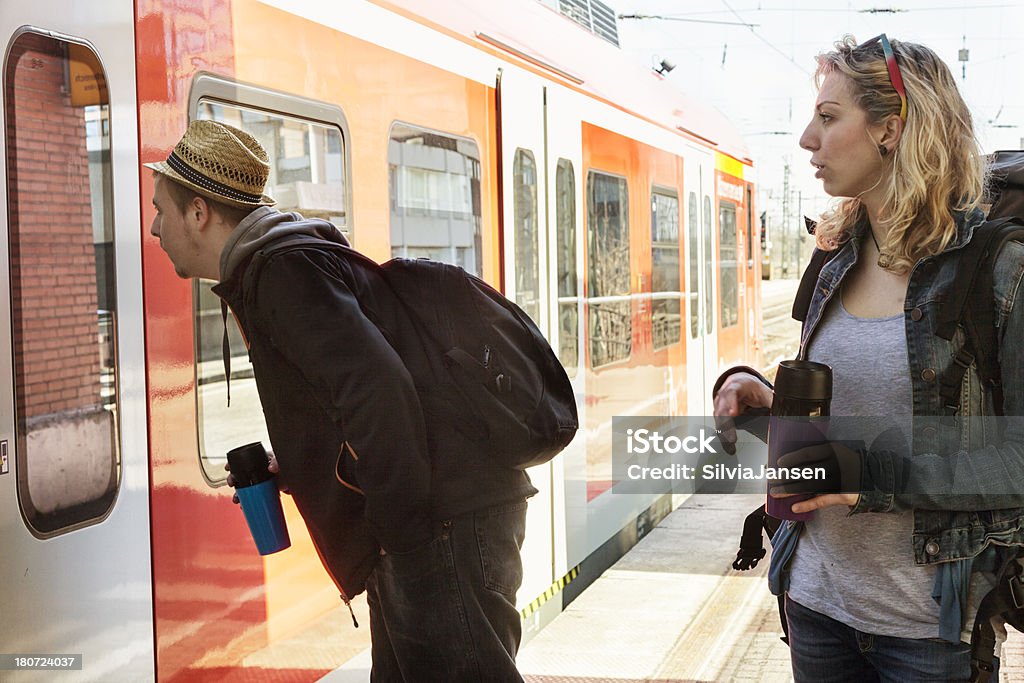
(609, 317)
(568, 299)
(526, 227)
(709, 301)
(63, 295)
(729, 267)
(434, 186)
(693, 247)
(665, 269)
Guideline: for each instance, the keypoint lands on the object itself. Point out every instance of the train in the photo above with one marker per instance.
(615, 209)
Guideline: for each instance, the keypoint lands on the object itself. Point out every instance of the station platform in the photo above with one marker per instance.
(672, 610)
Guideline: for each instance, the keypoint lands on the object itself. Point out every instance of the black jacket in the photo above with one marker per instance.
(343, 415)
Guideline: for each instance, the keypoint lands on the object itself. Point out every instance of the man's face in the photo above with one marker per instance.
(177, 238)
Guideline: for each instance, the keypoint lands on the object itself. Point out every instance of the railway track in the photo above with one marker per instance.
(780, 333)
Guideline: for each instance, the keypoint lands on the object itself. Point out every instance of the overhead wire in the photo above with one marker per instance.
(666, 17)
(765, 40)
(801, 10)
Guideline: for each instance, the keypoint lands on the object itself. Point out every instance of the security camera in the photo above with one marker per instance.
(664, 67)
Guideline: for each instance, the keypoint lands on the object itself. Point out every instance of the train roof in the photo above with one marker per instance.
(559, 46)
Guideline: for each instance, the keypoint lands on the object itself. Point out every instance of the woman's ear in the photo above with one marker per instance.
(892, 131)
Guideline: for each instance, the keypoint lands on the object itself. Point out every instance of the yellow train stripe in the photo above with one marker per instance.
(726, 164)
(553, 590)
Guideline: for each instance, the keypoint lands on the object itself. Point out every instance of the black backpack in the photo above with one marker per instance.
(482, 366)
(971, 307)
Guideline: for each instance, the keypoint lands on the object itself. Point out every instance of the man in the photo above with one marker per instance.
(414, 515)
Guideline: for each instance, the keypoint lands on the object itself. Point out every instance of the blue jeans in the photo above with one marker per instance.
(824, 650)
(447, 610)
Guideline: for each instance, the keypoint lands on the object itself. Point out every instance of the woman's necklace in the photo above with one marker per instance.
(884, 260)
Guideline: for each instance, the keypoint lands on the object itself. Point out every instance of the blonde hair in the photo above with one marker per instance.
(937, 167)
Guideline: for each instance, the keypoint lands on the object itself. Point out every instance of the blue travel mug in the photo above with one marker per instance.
(259, 497)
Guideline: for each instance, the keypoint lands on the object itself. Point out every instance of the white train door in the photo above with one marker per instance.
(565, 245)
(526, 273)
(701, 323)
(75, 568)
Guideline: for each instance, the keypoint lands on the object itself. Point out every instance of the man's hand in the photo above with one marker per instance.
(271, 465)
(740, 393)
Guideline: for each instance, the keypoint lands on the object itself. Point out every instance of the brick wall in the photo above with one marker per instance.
(53, 258)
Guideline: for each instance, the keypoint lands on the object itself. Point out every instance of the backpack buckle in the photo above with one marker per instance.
(963, 358)
(1016, 589)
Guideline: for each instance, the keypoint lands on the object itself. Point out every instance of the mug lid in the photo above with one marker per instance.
(249, 464)
(804, 379)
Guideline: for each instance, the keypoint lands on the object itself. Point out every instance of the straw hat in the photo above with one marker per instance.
(220, 162)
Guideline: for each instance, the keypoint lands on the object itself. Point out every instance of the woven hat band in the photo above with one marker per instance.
(194, 176)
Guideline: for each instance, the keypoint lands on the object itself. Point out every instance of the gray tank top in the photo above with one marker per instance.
(860, 569)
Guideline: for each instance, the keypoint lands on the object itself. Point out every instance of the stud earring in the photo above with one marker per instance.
(883, 150)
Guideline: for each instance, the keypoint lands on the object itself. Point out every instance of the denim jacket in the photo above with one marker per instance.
(954, 525)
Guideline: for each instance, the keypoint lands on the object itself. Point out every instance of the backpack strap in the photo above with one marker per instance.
(1005, 187)
(808, 281)
(1006, 597)
(752, 551)
(971, 305)
(971, 257)
(752, 548)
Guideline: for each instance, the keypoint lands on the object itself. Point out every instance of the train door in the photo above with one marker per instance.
(564, 164)
(701, 335)
(75, 569)
(753, 277)
(526, 255)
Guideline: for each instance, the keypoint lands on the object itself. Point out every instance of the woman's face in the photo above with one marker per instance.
(843, 145)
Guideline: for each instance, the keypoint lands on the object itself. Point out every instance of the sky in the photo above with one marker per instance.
(761, 76)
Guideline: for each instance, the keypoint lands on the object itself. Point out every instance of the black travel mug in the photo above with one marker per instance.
(803, 395)
(259, 497)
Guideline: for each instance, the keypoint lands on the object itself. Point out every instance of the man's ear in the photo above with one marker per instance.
(197, 212)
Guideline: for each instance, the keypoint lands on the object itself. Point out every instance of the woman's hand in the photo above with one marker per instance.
(840, 461)
(819, 502)
(739, 393)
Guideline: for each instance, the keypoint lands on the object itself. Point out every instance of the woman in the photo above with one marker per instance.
(882, 585)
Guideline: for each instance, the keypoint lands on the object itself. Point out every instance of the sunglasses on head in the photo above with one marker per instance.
(894, 70)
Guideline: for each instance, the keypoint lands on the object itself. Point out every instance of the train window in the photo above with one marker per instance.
(750, 229)
(568, 299)
(665, 267)
(729, 266)
(693, 246)
(434, 182)
(307, 169)
(307, 174)
(609, 314)
(63, 295)
(525, 232)
(222, 425)
(709, 299)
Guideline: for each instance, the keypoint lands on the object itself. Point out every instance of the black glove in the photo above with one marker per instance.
(840, 462)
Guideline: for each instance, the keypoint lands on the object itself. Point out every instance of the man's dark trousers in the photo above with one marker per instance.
(446, 611)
